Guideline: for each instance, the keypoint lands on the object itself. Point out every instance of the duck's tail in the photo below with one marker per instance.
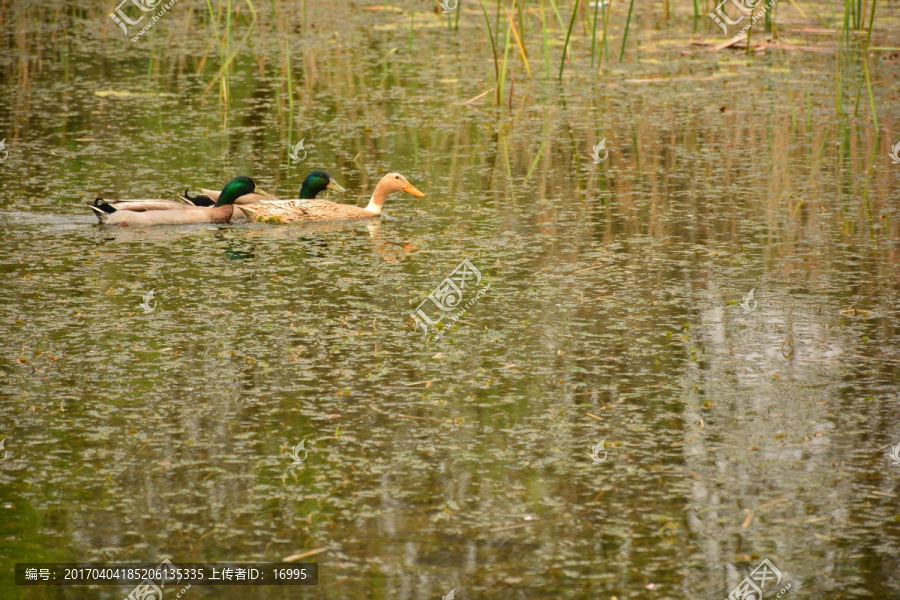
(200, 200)
(102, 209)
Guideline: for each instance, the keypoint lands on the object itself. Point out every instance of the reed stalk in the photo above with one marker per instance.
(871, 22)
(497, 22)
(519, 42)
(808, 111)
(546, 41)
(604, 45)
(594, 31)
(227, 44)
(627, 24)
(837, 81)
(501, 84)
(290, 87)
(869, 88)
(568, 35)
(521, 9)
(558, 16)
(494, 50)
(793, 113)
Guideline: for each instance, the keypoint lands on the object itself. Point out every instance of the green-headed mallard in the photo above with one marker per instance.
(315, 182)
(165, 212)
(289, 211)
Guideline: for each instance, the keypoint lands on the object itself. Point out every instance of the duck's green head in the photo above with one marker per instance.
(234, 189)
(316, 182)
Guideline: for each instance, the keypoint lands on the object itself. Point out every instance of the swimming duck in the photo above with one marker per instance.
(315, 182)
(167, 212)
(289, 211)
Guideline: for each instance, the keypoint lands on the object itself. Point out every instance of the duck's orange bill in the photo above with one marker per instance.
(409, 189)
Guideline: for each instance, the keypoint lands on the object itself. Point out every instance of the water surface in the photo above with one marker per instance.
(730, 435)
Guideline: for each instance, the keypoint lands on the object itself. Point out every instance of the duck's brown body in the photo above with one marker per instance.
(292, 211)
(303, 210)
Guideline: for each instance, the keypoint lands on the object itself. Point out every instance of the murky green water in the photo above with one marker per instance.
(730, 435)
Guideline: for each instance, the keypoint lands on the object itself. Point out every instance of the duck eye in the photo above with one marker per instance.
(397, 177)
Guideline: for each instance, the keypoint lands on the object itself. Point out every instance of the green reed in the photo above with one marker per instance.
(487, 22)
(627, 24)
(871, 22)
(501, 82)
(290, 89)
(520, 41)
(223, 48)
(545, 40)
(568, 36)
(869, 88)
(558, 16)
(604, 50)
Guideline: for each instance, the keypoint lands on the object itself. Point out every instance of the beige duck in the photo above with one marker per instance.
(290, 211)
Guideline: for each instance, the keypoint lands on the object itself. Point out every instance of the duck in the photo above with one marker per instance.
(290, 211)
(315, 182)
(167, 212)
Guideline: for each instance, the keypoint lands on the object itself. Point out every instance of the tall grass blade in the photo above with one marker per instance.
(627, 24)
(568, 35)
(604, 45)
(546, 41)
(494, 50)
(558, 16)
(501, 84)
(871, 21)
(869, 87)
(524, 56)
(808, 111)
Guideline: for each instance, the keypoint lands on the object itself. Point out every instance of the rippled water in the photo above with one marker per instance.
(614, 315)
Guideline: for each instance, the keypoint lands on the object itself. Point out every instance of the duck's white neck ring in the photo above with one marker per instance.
(373, 207)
